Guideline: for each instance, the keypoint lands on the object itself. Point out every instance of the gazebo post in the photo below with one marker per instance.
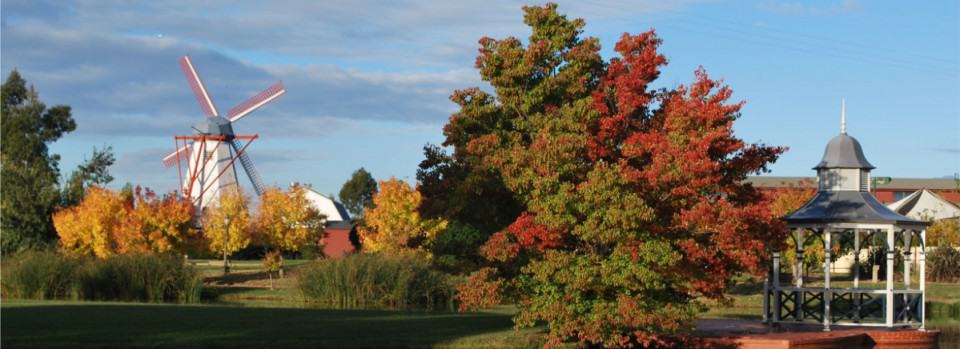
(889, 302)
(856, 258)
(907, 254)
(923, 280)
(776, 286)
(798, 279)
(827, 295)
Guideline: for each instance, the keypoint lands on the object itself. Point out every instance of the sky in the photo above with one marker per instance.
(368, 81)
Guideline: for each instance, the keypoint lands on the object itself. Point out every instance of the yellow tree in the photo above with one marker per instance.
(286, 221)
(394, 224)
(89, 228)
(226, 226)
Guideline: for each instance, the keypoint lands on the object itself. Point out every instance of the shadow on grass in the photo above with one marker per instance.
(143, 325)
(236, 278)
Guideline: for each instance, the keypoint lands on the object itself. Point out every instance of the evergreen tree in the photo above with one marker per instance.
(357, 193)
(29, 173)
(93, 171)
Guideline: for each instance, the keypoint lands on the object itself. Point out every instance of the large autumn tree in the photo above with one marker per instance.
(634, 202)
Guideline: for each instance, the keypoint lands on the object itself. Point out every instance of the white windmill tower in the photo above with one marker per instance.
(212, 151)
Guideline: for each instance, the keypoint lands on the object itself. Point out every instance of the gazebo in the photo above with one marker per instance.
(845, 215)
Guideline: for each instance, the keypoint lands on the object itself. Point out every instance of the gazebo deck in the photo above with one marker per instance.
(754, 334)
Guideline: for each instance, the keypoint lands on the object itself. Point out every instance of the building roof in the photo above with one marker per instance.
(333, 210)
(843, 151)
(925, 204)
(847, 207)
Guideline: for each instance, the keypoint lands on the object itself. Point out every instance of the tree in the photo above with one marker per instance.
(357, 193)
(634, 198)
(286, 221)
(226, 226)
(394, 224)
(106, 223)
(90, 228)
(944, 232)
(93, 171)
(28, 172)
(783, 201)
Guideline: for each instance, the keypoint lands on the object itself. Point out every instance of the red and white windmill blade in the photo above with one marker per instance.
(210, 110)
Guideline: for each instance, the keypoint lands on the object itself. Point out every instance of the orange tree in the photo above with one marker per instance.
(286, 221)
(783, 201)
(634, 198)
(106, 223)
(393, 224)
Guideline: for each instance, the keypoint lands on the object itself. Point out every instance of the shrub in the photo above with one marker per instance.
(944, 264)
(375, 281)
(40, 275)
(141, 277)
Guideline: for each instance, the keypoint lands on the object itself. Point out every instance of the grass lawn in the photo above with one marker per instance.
(98, 324)
(241, 311)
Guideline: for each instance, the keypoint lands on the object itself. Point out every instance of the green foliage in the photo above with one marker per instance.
(93, 171)
(357, 192)
(41, 275)
(455, 249)
(29, 173)
(943, 264)
(367, 280)
(134, 277)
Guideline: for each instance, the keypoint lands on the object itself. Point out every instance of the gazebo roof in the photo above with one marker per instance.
(847, 207)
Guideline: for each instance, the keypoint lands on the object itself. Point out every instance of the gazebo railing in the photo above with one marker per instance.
(846, 306)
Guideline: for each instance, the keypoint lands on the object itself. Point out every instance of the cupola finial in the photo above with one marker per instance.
(843, 116)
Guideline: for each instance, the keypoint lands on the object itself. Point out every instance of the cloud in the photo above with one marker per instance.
(810, 9)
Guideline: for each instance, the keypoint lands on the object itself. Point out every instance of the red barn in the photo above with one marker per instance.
(339, 233)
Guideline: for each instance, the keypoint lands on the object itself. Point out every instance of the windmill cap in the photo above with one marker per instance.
(215, 126)
(844, 151)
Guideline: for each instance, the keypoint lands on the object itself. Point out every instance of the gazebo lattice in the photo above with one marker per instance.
(841, 214)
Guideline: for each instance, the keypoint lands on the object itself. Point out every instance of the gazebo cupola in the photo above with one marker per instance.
(845, 216)
(843, 167)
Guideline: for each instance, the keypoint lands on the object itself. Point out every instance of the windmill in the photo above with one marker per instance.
(212, 151)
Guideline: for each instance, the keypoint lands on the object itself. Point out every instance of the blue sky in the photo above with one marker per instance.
(368, 80)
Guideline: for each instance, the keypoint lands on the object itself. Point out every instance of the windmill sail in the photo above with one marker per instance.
(248, 168)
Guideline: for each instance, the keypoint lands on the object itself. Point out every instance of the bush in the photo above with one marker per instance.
(375, 281)
(41, 275)
(944, 264)
(139, 277)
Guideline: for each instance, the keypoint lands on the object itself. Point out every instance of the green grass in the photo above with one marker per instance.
(34, 324)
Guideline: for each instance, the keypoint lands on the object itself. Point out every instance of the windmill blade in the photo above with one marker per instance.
(173, 157)
(257, 101)
(206, 104)
(248, 168)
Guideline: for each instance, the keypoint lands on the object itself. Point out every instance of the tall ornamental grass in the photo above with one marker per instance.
(135, 277)
(40, 275)
(375, 281)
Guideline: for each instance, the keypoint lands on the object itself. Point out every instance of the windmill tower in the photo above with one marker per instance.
(209, 155)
